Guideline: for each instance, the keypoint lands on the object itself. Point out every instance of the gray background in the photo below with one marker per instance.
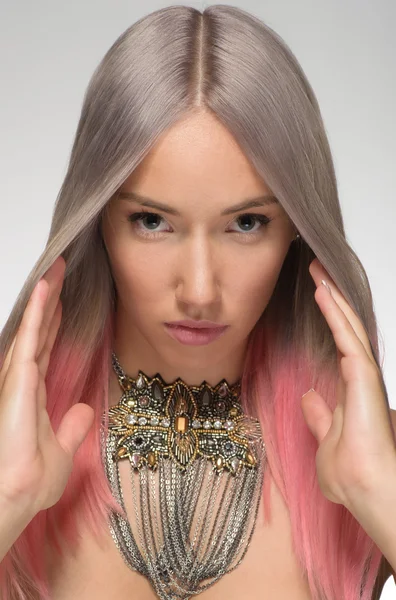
(346, 47)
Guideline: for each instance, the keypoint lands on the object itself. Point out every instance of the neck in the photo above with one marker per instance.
(121, 376)
(192, 376)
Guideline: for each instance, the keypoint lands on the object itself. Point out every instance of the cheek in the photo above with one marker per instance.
(257, 281)
(138, 270)
(137, 275)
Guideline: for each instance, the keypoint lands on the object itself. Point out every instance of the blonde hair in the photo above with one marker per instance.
(167, 65)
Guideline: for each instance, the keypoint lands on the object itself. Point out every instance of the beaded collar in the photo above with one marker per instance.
(154, 418)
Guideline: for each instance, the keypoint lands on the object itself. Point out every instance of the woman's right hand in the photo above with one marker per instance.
(35, 462)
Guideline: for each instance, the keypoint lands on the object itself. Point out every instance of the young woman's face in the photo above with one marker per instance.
(196, 257)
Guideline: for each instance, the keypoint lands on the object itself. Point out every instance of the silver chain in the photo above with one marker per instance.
(206, 516)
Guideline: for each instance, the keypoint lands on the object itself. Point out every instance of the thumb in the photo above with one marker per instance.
(317, 414)
(74, 427)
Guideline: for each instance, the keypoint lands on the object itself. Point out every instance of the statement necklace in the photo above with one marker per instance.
(196, 471)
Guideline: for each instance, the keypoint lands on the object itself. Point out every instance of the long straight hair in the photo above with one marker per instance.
(166, 66)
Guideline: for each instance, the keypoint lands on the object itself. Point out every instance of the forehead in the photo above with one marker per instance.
(196, 159)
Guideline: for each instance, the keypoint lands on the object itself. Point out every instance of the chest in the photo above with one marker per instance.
(268, 570)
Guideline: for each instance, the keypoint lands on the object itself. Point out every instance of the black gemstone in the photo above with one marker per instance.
(156, 391)
(206, 397)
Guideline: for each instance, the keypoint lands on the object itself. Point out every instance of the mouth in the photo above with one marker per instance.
(202, 324)
(193, 336)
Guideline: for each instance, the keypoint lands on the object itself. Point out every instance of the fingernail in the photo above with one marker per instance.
(310, 390)
(327, 286)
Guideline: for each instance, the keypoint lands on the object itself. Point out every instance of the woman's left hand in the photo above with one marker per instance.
(356, 441)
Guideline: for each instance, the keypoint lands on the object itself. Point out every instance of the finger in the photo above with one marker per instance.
(6, 363)
(345, 337)
(8, 357)
(25, 349)
(49, 311)
(340, 388)
(74, 427)
(392, 416)
(44, 358)
(54, 277)
(44, 426)
(22, 378)
(318, 272)
(318, 416)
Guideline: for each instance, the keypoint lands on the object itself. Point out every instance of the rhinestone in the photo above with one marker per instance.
(135, 460)
(217, 424)
(142, 420)
(157, 392)
(165, 422)
(206, 397)
(138, 440)
(131, 402)
(181, 423)
(140, 383)
(144, 401)
(223, 390)
(131, 419)
(229, 447)
(126, 384)
(233, 412)
(121, 452)
(158, 439)
(154, 420)
(220, 405)
(196, 424)
(219, 462)
(229, 425)
(151, 459)
(207, 424)
(235, 464)
(250, 458)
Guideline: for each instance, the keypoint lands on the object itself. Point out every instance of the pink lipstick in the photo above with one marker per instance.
(195, 333)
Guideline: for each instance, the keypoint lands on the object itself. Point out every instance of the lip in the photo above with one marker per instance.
(197, 324)
(197, 336)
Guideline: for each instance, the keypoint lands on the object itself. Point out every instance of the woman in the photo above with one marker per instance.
(157, 460)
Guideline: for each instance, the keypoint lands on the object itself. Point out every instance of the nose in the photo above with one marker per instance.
(198, 285)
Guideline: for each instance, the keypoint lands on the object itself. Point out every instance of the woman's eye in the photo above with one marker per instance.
(146, 223)
(142, 218)
(245, 222)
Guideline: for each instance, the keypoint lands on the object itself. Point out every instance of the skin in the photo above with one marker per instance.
(196, 268)
(199, 265)
(356, 455)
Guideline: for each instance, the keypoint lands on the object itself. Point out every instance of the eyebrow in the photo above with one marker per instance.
(264, 200)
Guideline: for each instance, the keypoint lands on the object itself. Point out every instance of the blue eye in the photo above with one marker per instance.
(262, 219)
(150, 229)
(142, 216)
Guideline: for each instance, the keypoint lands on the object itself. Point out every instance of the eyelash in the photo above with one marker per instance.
(134, 218)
